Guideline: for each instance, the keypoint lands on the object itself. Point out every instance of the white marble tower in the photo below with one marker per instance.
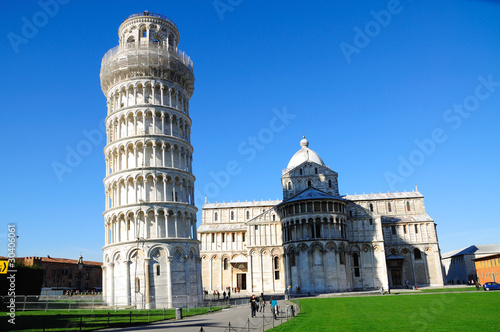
(151, 251)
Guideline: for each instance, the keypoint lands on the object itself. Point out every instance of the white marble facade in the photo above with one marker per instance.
(151, 251)
(317, 241)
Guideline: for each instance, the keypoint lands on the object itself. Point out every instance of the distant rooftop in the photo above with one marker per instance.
(480, 249)
(49, 259)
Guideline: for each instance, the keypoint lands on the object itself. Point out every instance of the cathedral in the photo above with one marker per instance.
(316, 240)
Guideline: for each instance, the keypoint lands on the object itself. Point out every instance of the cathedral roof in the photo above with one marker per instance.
(232, 227)
(240, 204)
(311, 193)
(372, 196)
(304, 154)
(406, 218)
(480, 249)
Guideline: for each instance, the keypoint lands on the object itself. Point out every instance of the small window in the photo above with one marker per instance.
(416, 229)
(226, 264)
(289, 186)
(329, 183)
(243, 237)
(256, 227)
(248, 214)
(309, 183)
(292, 259)
(144, 33)
(342, 257)
(371, 222)
(223, 237)
(274, 217)
(315, 170)
(355, 262)
(232, 215)
(404, 229)
(408, 206)
(277, 275)
(355, 259)
(300, 171)
(158, 270)
(350, 213)
(276, 263)
(233, 237)
(216, 215)
(371, 207)
(389, 207)
(213, 237)
(417, 253)
(393, 229)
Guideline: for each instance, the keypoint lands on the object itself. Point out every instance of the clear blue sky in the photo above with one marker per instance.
(363, 99)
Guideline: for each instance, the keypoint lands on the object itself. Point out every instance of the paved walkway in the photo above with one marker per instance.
(239, 317)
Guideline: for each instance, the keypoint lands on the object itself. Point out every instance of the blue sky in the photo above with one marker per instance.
(389, 94)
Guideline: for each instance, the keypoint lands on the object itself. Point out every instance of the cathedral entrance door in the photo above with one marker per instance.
(396, 277)
(241, 281)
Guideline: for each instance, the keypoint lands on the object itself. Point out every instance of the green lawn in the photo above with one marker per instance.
(62, 320)
(450, 290)
(415, 312)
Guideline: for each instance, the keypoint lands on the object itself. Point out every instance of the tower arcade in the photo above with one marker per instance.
(151, 252)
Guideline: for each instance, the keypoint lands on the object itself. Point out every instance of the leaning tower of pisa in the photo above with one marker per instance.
(151, 252)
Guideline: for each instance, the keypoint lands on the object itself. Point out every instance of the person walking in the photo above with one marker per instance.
(274, 307)
(381, 290)
(224, 296)
(253, 305)
(262, 302)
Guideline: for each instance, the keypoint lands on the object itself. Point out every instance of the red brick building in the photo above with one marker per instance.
(62, 273)
(488, 268)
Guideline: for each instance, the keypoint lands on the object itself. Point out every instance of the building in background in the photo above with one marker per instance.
(318, 241)
(151, 251)
(458, 265)
(67, 274)
(487, 268)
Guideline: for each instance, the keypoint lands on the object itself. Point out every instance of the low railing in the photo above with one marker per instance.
(163, 17)
(143, 52)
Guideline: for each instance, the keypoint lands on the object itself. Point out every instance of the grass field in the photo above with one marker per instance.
(415, 312)
(450, 290)
(62, 320)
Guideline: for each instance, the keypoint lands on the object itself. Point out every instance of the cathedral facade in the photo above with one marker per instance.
(318, 241)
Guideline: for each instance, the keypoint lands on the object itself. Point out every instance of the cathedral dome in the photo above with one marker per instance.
(304, 154)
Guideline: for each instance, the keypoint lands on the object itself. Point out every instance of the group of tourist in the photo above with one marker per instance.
(71, 292)
(258, 305)
(216, 294)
